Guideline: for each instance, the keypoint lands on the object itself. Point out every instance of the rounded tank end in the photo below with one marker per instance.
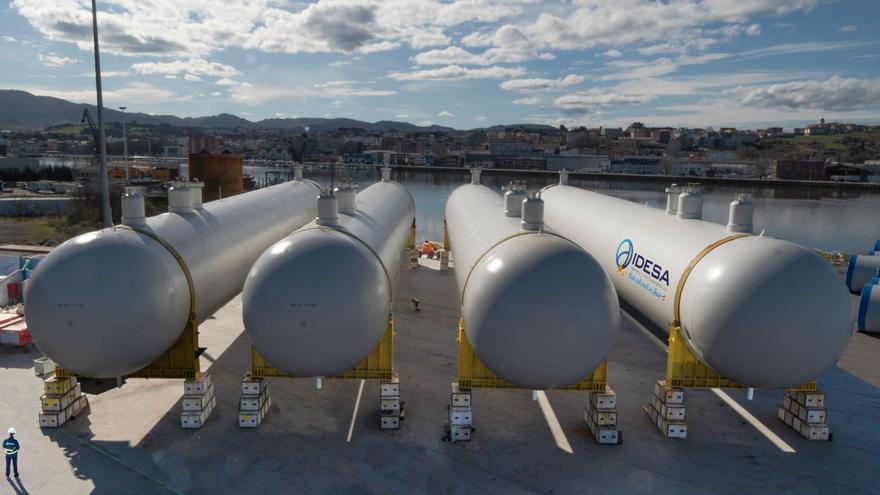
(777, 324)
(316, 303)
(540, 312)
(106, 303)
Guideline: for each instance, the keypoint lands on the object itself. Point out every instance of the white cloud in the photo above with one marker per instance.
(612, 53)
(9, 39)
(216, 93)
(457, 72)
(834, 94)
(541, 84)
(350, 88)
(480, 118)
(622, 22)
(192, 78)
(402, 116)
(528, 101)
(802, 47)
(458, 55)
(195, 66)
(140, 93)
(339, 63)
(753, 30)
(226, 82)
(593, 99)
(445, 113)
(54, 61)
(187, 28)
(848, 28)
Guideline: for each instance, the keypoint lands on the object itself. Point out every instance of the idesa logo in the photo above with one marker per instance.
(627, 255)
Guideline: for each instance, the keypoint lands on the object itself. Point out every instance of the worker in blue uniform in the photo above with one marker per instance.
(10, 446)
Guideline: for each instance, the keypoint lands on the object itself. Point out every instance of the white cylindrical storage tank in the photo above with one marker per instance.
(563, 177)
(538, 310)
(327, 209)
(196, 189)
(742, 214)
(532, 212)
(345, 195)
(764, 312)
(133, 208)
(318, 301)
(869, 308)
(860, 270)
(180, 199)
(108, 303)
(690, 204)
(514, 195)
(672, 193)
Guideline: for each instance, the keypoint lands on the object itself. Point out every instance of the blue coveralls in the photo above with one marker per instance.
(10, 445)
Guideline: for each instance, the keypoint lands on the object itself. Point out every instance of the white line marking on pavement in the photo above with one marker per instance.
(761, 427)
(354, 414)
(778, 442)
(553, 423)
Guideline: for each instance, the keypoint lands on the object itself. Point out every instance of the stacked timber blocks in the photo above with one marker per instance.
(413, 257)
(254, 403)
(601, 417)
(390, 405)
(461, 415)
(667, 411)
(805, 413)
(444, 260)
(198, 402)
(62, 400)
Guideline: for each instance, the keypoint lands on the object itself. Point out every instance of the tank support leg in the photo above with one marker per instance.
(805, 413)
(600, 415)
(461, 415)
(198, 401)
(391, 410)
(254, 403)
(667, 410)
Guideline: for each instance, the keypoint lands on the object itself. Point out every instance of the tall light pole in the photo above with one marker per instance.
(106, 219)
(124, 142)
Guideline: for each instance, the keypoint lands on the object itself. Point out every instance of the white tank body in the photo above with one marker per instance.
(860, 270)
(317, 302)
(869, 307)
(538, 310)
(764, 312)
(110, 302)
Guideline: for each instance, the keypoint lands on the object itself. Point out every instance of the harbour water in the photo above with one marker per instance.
(843, 220)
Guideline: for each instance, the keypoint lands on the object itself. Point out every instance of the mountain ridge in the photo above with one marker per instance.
(20, 110)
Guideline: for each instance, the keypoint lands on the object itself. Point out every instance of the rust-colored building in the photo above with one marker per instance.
(222, 174)
(798, 169)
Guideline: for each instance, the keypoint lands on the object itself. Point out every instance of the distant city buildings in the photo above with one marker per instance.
(636, 149)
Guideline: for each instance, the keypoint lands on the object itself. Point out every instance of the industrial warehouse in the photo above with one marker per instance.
(518, 356)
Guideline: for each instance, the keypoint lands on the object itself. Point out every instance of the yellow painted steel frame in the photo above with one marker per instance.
(683, 368)
(473, 373)
(378, 365)
(411, 242)
(182, 359)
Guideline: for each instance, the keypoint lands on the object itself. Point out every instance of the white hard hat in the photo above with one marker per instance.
(12, 431)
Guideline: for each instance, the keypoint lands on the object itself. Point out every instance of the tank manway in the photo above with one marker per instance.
(537, 309)
(763, 312)
(110, 302)
(318, 301)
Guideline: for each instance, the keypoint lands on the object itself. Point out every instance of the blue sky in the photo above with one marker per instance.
(462, 63)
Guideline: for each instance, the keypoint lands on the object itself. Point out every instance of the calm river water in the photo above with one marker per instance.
(829, 219)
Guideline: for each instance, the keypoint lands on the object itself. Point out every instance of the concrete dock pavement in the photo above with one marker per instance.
(131, 441)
